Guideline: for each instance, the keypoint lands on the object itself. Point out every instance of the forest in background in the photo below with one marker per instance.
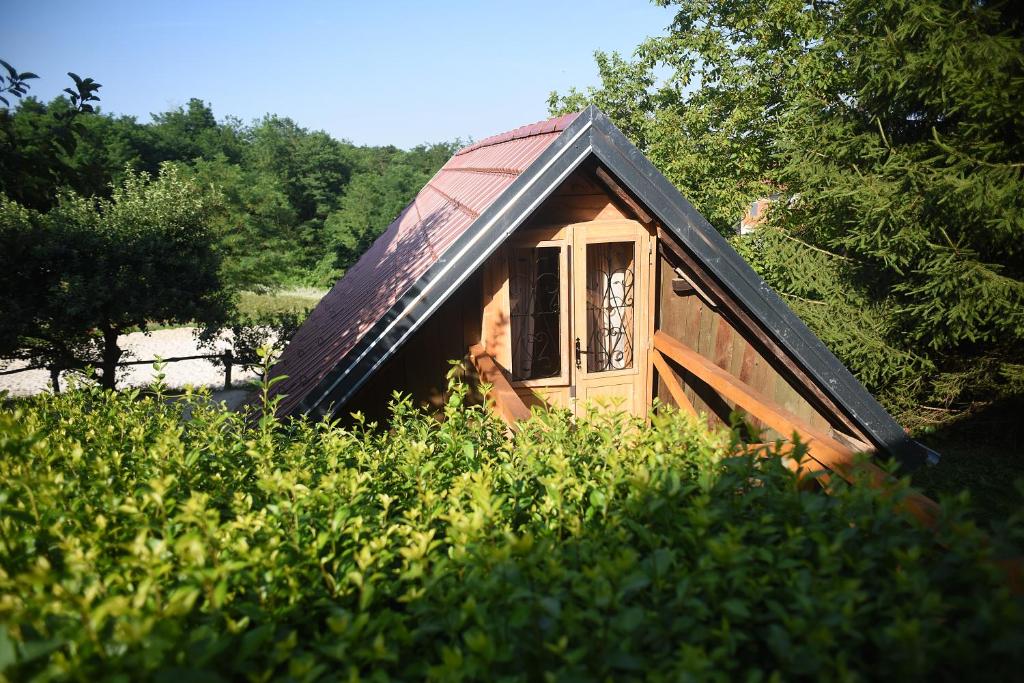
(298, 206)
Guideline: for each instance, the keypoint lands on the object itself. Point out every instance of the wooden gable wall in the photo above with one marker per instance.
(579, 199)
(703, 328)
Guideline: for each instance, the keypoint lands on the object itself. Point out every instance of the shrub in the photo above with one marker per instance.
(136, 544)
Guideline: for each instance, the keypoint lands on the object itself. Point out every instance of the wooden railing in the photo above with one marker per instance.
(502, 397)
(227, 358)
(824, 453)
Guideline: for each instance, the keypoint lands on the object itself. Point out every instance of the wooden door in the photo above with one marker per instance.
(611, 316)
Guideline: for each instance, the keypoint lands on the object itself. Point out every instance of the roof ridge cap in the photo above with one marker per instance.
(555, 124)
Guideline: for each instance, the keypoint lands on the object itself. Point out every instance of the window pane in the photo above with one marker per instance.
(534, 295)
(610, 306)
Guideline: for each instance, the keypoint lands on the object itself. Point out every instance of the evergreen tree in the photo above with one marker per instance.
(893, 129)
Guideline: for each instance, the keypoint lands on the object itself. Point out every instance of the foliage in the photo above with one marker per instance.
(136, 544)
(288, 216)
(281, 301)
(33, 156)
(983, 450)
(895, 127)
(370, 203)
(90, 269)
(250, 334)
(14, 83)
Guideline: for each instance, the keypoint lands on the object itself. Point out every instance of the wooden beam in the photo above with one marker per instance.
(504, 399)
(623, 196)
(708, 301)
(744, 323)
(835, 456)
(804, 467)
(675, 388)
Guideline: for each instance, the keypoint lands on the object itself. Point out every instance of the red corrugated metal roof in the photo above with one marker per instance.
(442, 211)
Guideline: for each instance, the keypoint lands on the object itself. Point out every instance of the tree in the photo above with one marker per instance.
(280, 182)
(373, 199)
(256, 226)
(370, 203)
(192, 132)
(33, 155)
(76, 277)
(894, 129)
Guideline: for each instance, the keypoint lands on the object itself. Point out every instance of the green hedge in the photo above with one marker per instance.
(137, 544)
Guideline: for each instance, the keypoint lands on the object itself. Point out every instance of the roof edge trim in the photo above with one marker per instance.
(546, 127)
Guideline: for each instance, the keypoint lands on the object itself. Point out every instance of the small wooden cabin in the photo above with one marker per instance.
(571, 272)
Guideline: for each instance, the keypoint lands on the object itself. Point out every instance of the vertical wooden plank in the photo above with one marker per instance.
(496, 324)
(723, 344)
(720, 343)
(747, 365)
(674, 315)
(705, 348)
(691, 335)
(707, 321)
(472, 306)
(739, 345)
(651, 278)
(759, 377)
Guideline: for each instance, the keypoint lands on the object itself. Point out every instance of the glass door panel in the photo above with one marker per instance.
(535, 294)
(611, 316)
(611, 275)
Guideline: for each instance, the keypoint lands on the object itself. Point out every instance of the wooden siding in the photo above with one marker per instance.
(577, 200)
(690, 320)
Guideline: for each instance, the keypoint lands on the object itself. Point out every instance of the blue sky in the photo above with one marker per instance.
(375, 73)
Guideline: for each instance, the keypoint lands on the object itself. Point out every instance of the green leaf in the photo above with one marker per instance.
(8, 650)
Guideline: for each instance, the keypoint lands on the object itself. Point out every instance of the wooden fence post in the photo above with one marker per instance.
(228, 358)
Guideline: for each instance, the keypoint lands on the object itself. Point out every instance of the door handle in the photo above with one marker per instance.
(579, 355)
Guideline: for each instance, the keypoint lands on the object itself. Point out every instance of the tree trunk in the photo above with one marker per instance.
(111, 356)
(55, 378)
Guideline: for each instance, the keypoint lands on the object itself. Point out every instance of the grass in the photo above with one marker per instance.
(251, 304)
(982, 452)
(285, 301)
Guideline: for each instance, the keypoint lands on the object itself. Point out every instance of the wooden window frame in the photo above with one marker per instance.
(614, 234)
(536, 239)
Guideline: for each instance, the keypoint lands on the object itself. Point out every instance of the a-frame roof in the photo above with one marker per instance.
(468, 209)
(399, 268)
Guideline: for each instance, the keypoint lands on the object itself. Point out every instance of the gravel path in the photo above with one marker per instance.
(163, 343)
